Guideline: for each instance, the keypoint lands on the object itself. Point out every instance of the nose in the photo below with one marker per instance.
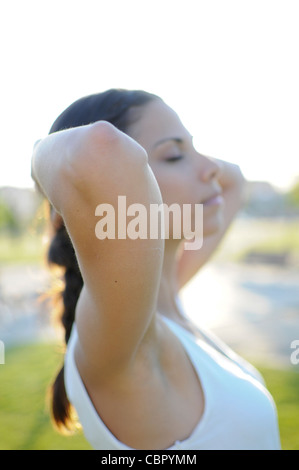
(209, 169)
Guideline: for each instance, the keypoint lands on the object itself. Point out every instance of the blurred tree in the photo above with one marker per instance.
(293, 194)
(8, 220)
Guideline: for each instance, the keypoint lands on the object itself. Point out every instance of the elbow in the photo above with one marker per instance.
(113, 145)
(102, 133)
(88, 147)
(91, 141)
(103, 157)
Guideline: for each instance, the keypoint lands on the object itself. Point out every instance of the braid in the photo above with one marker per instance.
(61, 252)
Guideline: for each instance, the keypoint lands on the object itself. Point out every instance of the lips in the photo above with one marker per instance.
(215, 199)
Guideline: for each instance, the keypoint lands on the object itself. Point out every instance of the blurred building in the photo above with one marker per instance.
(264, 200)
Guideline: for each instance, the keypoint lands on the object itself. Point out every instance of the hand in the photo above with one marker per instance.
(230, 176)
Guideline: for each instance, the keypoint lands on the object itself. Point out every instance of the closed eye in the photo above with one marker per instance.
(175, 158)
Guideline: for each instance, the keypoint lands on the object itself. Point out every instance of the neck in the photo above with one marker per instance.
(169, 289)
(168, 292)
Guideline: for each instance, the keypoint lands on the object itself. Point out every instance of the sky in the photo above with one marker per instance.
(229, 68)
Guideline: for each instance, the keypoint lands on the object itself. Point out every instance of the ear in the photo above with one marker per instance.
(56, 219)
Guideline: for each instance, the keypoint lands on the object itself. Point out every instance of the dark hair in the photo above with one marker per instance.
(114, 106)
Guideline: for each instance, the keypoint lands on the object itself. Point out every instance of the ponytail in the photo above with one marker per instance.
(61, 253)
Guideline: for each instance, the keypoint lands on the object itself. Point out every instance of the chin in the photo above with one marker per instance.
(213, 225)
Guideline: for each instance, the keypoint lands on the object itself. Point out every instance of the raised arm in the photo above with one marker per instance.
(232, 182)
(77, 170)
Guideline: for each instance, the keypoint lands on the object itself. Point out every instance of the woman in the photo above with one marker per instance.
(136, 369)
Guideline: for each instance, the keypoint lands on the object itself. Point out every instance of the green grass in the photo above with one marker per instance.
(24, 418)
(280, 237)
(24, 248)
(284, 387)
(266, 236)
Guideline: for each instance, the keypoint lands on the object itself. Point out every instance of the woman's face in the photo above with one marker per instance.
(183, 175)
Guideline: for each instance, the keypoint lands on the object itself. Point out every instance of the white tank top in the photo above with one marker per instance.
(239, 412)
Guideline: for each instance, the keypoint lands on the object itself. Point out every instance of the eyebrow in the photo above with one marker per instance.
(177, 140)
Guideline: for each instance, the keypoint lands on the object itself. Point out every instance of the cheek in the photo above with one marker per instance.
(176, 189)
(170, 180)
